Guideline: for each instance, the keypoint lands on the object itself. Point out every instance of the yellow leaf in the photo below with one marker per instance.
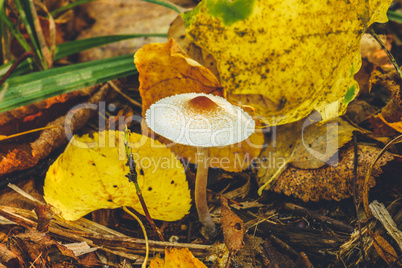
(166, 70)
(286, 58)
(177, 258)
(90, 175)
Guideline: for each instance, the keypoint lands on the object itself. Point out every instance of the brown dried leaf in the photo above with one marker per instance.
(20, 156)
(383, 248)
(24, 114)
(232, 226)
(303, 145)
(332, 182)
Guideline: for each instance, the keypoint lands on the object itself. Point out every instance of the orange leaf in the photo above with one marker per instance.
(395, 125)
(165, 70)
(383, 248)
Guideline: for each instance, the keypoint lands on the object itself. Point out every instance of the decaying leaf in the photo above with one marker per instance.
(303, 144)
(90, 175)
(180, 258)
(232, 226)
(332, 182)
(306, 63)
(166, 70)
(391, 114)
(383, 248)
(395, 125)
(20, 156)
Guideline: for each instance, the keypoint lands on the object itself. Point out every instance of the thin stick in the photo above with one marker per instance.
(132, 176)
(144, 264)
(116, 88)
(4, 137)
(21, 58)
(366, 206)
(390, 56)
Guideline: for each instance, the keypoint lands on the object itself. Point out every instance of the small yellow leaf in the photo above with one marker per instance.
(90, 175)
(286, 58)
(177, 258)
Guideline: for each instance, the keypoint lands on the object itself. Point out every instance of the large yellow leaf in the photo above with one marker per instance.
(90, 175)
(286, 58)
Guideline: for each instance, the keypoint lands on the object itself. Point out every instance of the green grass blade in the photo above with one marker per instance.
(70, 48)
(394, 16)
(26, 89)
(164, 4)
(18, 36)
(24, 11)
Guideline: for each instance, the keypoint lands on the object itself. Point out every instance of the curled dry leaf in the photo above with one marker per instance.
(90, 175)
(232, 226)
(332, 182)
(166, 70)
(177, 258)
(23, 156)
(282, 73)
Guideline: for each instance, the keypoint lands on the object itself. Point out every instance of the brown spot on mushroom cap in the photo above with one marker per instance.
(203, 104)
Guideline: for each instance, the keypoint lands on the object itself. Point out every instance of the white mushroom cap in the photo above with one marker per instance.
(200, 120)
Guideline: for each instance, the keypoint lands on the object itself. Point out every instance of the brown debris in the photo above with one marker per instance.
(392, 112)
(304, 211)
(8, 258)
(332, 182)
(28, 155)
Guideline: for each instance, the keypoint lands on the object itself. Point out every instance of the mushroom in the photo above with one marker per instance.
(204, 121)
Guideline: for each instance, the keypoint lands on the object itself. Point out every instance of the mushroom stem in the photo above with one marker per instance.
(201, 181)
